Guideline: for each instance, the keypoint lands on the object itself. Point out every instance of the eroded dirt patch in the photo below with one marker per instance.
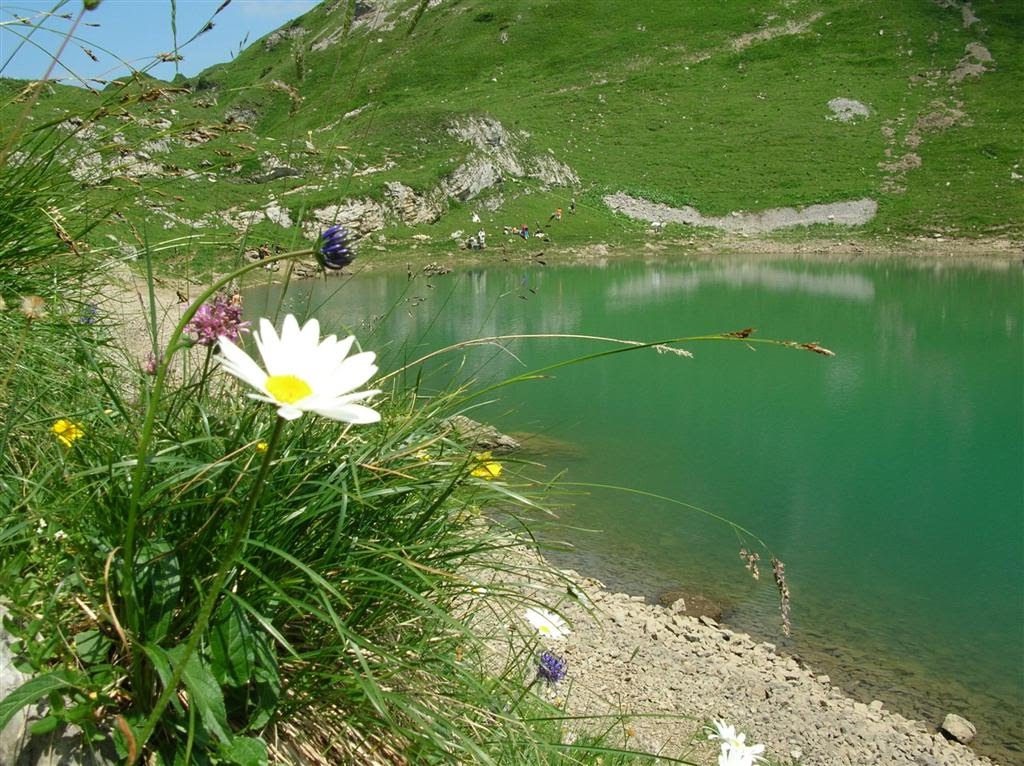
(851, 213)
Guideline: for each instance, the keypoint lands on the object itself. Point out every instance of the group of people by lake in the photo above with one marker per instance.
(478, 241)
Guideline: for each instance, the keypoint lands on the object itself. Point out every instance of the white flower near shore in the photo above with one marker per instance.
(735, 750)
(305, 374)
(548, 624)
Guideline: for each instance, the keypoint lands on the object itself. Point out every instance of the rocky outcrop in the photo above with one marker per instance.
(480, 436)
(359, 216)
(847, 109)
(496, 153)
(410, 207)
(283, 35)
(976, 61)
(282, 171)
(471, 178)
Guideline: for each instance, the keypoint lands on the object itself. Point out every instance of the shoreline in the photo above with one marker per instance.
(375, 254)
(631, 660)
(991, 250)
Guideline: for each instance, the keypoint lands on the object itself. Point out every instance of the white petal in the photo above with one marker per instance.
(290, 329)
(357, 396)
(289, 412)
(270, 347)
(241, 365)
(310, 334)
(349, 413)
(352, 373)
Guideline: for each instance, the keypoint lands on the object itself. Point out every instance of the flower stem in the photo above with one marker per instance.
(228, 561)
(139, 473)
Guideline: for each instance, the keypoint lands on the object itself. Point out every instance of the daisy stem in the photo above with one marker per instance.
(132, 614)
(216, 588)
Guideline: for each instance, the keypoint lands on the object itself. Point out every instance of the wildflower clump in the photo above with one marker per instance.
(220, 318)
(305, 374)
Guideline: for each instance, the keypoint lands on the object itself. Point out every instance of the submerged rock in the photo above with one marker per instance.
(481, 436)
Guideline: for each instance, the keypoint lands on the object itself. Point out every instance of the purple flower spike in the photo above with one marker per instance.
(334, 248)
(222, 318)
(551, 667)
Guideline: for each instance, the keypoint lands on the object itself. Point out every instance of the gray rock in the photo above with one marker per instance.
(651, 628)
(279, 172)
(958, 728)
(411, 207)
(13, 736)
(480, 435)
(63, 747)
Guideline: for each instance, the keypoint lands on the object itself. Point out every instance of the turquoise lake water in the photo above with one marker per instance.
(889, 479)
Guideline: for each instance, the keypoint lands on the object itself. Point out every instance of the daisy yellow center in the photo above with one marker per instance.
(288, 389)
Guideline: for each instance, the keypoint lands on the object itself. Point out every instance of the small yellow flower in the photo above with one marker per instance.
(67, 432)
(262, 446)
(486, 468)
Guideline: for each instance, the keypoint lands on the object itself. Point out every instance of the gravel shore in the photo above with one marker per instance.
(628, 659)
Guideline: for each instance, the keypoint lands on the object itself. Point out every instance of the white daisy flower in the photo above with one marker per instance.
(305, 374)
(547, 623)
(735, 750)
(727, 734)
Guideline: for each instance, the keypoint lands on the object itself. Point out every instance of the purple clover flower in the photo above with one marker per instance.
(221, 318)
(551, 667)
(334, 248)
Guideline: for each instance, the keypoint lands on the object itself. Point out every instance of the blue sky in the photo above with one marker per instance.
(135, 31)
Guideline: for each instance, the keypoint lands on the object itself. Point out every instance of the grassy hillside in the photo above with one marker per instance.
(722, 106)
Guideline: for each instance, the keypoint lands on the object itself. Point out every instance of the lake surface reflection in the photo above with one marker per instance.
(890, 479)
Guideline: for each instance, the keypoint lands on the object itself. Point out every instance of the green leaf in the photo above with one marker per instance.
(30, 691)
(44, 725)
(231, 646)
(159, 584)
(92, 647)
(267, 688)
(204, 692)
(245, 751)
